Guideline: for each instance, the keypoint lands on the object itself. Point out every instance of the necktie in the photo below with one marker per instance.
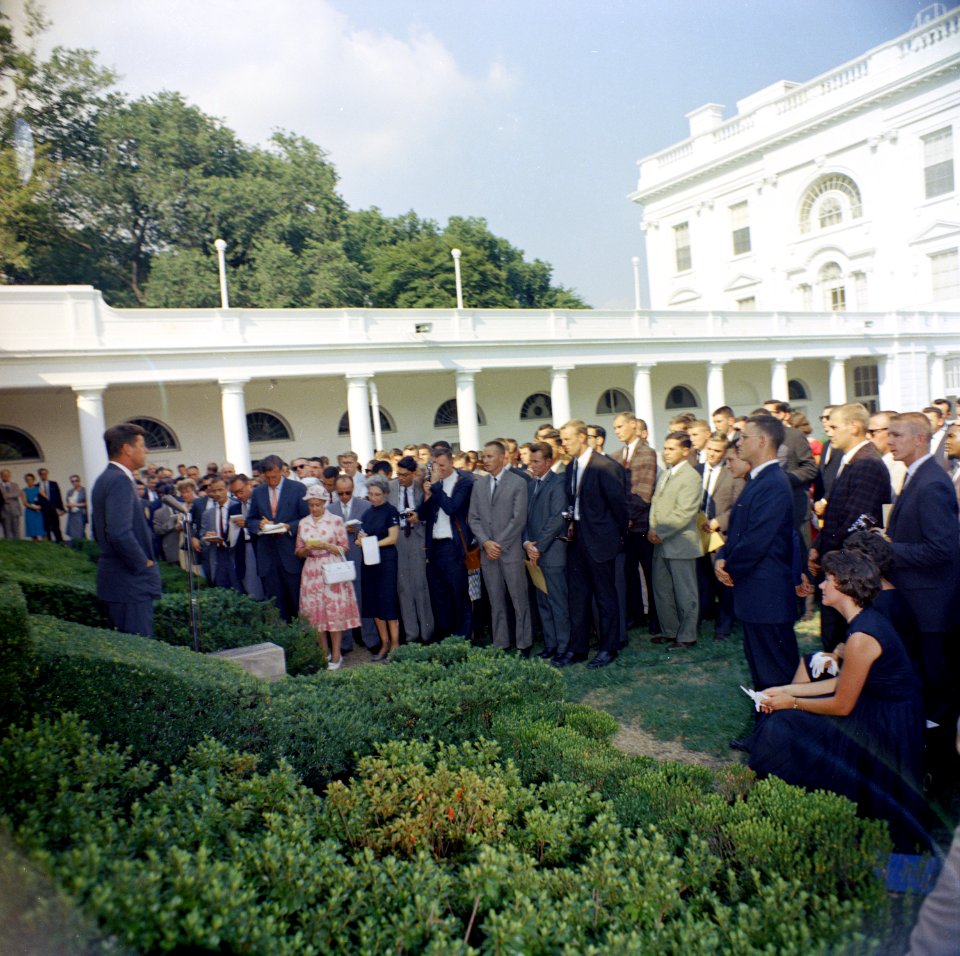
(406, 507)
(537, 484)
(223, 524)
(493, 488)
(273, 502)
(706, 488)
(626, 456)
(574, 465)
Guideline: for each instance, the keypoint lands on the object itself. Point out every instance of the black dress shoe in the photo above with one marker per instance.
(681, 645)
(523, 653)
(565, 660)
(739, 744)
(661, 639)
(721, 637)
(602, 660)
(547, 655)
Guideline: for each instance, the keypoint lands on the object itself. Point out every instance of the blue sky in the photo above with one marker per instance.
(529, 113)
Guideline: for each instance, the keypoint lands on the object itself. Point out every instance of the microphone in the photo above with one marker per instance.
(176, 504)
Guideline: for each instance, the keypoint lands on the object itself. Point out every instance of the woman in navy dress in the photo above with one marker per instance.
(859, 734)
(379, 591)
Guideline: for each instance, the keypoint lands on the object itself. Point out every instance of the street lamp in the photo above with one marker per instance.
(221, 246)
(456, 268)
(636, 282)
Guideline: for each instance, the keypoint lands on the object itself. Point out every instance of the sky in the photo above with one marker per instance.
(531, 114)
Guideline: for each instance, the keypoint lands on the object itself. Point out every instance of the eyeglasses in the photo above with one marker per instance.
(299, 467)
(875, 431)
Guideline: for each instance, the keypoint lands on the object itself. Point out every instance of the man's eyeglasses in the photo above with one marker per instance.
(876, 431)
(299, 467)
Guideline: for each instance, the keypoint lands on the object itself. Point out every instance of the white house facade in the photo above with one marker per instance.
(212, 384)
(836, 194)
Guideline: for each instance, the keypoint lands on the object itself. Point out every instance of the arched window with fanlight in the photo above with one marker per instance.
(536, 407)
(680, 397)
(833, 287)
(828, 201)
(446, 415)
(17, 445)
(266, 426)
(158, 436)
(387, 423)
(613, 401)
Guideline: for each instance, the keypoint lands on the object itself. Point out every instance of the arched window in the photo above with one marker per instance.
(537, 407)
(158, 437)
(798, 391)
(614, 401)
(830, 200)
(681, 396)
(446, 415)
(386, 422)
(263, 426)
(834, 290)
(17, 445)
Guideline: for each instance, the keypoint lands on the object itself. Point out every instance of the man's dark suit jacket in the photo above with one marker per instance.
(603, 506)
(125, 540)
(796, 459)
(545, 521)
(275, 551)
(862, 488)
(457, 506)
(759, 550)
(926, 551)
(826, 471)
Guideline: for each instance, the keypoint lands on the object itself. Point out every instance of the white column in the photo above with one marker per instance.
(838, 381)
(636, 283)
(358, 415)
(375, 415)
(889, 381)
(233, 409)
(643, 398)
(716, 393)
(93, 451)
(938, 376)
(560, 395)
(467, 412)
(779, 383)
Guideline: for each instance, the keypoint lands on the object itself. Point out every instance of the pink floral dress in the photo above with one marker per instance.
(328, 607)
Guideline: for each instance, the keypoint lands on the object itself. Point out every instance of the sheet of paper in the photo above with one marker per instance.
(371, 550)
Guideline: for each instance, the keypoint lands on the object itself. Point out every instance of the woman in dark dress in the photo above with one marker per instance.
(381, 521)
(859, 734)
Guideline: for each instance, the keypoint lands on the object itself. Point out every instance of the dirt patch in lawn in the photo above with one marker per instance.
(636, 742)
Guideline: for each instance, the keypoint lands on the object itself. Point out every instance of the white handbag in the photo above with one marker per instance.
(337, 572)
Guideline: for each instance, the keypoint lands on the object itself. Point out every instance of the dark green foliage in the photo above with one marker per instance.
(16, 651)
(229, 619)
(431, 848)
(158, 699)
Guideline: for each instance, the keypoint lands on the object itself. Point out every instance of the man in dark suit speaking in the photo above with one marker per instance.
(128, 580)
(276, 508)
(757, 559)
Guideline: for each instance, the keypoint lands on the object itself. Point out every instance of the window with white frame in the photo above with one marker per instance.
(938, 162)
(945, 275)
(740, 226)
(747, 304)
(681, 241)
(828, 201)
(834, 290)
(866, 386)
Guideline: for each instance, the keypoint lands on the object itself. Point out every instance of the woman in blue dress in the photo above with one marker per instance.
(32, 514)
(859, 734)
(379, 581)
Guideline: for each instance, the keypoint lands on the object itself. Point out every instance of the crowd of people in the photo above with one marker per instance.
(565, 541)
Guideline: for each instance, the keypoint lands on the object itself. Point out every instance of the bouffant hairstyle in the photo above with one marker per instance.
(855, 575)
(875, 547)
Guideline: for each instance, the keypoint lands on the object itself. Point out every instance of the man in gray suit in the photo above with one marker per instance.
(546, 502)
(498, 517)
(218, 562)
(350, 508)
(676, 540)
(406, 494)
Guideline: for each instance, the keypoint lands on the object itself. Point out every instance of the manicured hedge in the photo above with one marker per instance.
(430, 848)
(16, 650)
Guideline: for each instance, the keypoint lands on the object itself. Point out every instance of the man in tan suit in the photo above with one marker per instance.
(673, 531)
(498, 517)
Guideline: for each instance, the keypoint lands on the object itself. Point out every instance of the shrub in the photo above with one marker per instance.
(156, 698)
(229, 619)
(16, 650)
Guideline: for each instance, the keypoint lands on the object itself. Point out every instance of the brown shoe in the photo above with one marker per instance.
(661, 639)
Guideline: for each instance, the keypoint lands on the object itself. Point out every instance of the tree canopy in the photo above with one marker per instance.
(130, 195)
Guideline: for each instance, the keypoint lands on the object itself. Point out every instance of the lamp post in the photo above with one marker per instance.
(456, 268)
(636, 282)
(221, 246)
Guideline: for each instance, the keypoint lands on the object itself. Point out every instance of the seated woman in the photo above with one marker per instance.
(330, 608)
(859, 734)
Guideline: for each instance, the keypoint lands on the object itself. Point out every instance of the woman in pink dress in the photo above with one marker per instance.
(322, 538)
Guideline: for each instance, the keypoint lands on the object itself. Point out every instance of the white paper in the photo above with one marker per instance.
(271, 528)
(371, 550)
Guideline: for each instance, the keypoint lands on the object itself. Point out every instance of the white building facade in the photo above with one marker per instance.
(805, 250)
(836, 194)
